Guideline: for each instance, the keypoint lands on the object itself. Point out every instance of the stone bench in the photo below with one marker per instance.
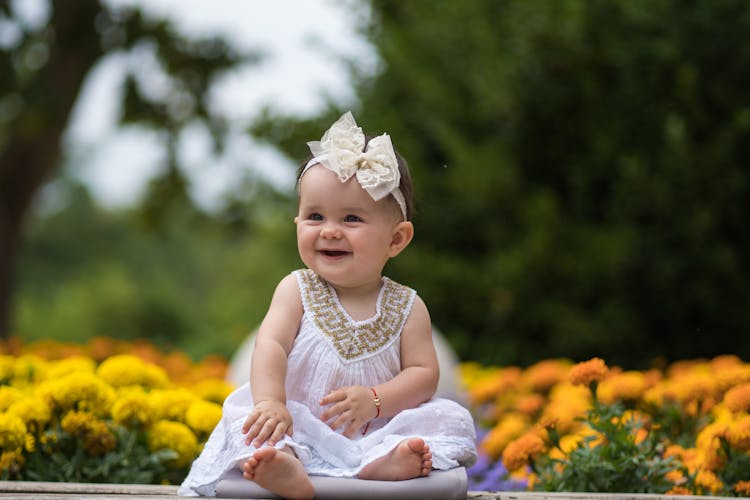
(28, 490)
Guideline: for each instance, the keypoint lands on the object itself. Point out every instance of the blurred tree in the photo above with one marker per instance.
(581, 171)
(43, 66)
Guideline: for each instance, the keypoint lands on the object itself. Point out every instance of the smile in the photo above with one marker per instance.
(334, 253)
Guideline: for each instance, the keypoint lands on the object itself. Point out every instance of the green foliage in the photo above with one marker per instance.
(63, 458)
(580, 170)
(610, 460)
(737, 468)
(197, 283)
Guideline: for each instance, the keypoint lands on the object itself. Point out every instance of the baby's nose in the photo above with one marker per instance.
(330, 231)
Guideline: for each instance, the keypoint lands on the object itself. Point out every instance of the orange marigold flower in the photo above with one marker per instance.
(522, 451)
(708, 441)
(593, 370)
(627, 386)
(679, 490)
(510, 427)
(530, 404)
(737, 398)
(708, 481)
(738, 433)
(742, 487)
(541, 376)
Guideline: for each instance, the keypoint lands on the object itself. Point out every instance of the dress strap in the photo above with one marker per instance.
(352, 339)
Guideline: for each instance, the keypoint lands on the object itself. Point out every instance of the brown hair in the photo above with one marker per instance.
(405, 184)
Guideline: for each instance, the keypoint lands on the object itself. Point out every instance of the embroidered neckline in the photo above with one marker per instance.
(355, 339)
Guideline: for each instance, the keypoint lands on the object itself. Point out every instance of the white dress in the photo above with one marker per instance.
(333, 350)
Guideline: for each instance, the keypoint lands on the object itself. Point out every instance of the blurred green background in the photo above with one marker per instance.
(581, 172)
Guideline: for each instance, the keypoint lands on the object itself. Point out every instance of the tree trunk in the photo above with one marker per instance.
(32, 149)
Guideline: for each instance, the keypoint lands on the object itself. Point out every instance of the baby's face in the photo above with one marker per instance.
(342, 233)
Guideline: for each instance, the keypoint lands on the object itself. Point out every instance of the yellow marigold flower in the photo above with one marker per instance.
(133, 407)
(542, 376)
(12, 432)
(507, 429)
(70, 365)
(586, 372)
(34, 412)
(737, 398)
(567, 443)
(522, 451)
(125, 369)
(568, 403)
(29, 443)
(742, 487)
(491, 382)
(78, 390)
(627, 386)
(28, 369)
(8, 396)
(6, 368)
(212, 389)
(97, 437)
(174, 436)
(708, 481)
(11, 462)
(202, 416)
(77, 423)
(171, 404)
(738, 433)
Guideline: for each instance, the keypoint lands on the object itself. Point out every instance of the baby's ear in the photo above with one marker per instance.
(403, 232)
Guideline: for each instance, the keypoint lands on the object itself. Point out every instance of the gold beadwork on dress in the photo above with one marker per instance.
(355, 339)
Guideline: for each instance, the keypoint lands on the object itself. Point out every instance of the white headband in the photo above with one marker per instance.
(342, 150)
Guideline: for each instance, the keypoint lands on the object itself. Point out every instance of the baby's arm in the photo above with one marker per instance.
(352, 407)
(270, 419)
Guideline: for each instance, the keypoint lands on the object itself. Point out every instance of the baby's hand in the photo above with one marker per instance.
(351, 407)
(267, 423)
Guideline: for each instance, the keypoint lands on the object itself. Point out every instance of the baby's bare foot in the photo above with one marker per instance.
(279, 472)
(409, 459)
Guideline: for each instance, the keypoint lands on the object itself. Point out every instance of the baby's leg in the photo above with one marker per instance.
(279, 472)
(409, 459)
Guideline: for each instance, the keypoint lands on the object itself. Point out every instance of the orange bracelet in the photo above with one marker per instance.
(376, 400)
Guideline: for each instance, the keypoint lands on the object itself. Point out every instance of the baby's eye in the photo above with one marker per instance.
(352, 218)
(315, 216)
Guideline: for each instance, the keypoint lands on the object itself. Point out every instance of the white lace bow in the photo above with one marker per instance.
(342, 150)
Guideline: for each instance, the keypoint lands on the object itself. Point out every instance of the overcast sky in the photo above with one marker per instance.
(300, 38)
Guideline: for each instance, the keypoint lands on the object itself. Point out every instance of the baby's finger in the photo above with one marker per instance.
(278, 434)
(333, 397)
(251, 434)
(342, 420)
(352, 428)
(265, 432)
(333, 411)
(249, 421)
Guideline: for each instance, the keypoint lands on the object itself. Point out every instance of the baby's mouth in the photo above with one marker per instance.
(334, 253)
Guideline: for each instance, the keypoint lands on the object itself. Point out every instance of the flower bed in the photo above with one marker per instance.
(107, 411)
(120, 412)
(557, 426)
